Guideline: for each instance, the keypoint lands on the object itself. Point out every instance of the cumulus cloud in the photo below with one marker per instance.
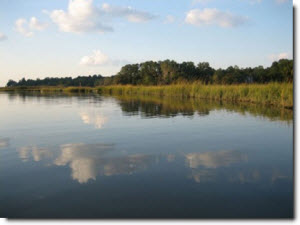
(95, 59)
(131, 14)
(276, 57)
(216, 17)
(34, 24)
(83, 16)
(3, 37)
(98, 58)
(21, 26)
(27, 28)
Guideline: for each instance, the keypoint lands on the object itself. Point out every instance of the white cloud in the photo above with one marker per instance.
(216, 17)
(95, 59)
(98, 58)
(276, 57)
(26, 28)
(131, 14)
(21, 26)
(3, 37)
(169, 19)
(83, 16)
(34, 24)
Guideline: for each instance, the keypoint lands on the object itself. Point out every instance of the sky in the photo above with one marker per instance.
(59, 38)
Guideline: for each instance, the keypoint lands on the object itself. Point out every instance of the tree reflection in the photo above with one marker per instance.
(155, 106)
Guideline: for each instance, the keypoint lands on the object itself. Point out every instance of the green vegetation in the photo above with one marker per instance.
(170, 72)
(267, 86)
(278, 94)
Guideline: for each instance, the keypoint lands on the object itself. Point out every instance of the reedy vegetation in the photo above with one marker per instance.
(279, 94)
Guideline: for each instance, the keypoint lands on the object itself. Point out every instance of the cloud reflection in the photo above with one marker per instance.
(205, 167)
(215, 159)
(36, 153)
(81, 159)
(93, 118)
(88, 160)
(4, 142)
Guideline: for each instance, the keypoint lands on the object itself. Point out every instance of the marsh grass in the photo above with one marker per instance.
(280, 94)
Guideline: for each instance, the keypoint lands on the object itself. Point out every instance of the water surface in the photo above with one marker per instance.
(91, 156)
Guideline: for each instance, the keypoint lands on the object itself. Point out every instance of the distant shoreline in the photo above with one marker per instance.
(278, 94)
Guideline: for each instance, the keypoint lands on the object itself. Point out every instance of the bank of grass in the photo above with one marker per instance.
(280, 94)
(47, 89)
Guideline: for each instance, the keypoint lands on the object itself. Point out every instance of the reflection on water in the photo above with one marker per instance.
(86, 161)
(36, 153)
(81, 159)
(94, 118)
(143, 157)
(214, 159)
(151, 106)
(154, 106)
(4, 142)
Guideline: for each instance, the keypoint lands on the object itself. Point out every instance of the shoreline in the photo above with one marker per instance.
(277, 94)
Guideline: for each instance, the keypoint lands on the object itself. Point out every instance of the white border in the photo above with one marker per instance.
(157, 222)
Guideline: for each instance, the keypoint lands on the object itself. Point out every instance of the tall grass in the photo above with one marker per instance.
(280, 94)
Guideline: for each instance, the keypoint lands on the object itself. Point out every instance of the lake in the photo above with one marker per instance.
(92, 156)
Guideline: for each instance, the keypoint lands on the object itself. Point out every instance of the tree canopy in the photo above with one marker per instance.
(168, 72)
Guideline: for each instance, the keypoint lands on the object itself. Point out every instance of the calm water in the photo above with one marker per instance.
(118, 157)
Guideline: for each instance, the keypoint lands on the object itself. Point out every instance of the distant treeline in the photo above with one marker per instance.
(170, 72)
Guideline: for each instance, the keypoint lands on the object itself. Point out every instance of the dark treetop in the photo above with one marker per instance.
(169, 71)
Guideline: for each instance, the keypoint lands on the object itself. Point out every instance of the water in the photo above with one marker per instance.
(89, 156)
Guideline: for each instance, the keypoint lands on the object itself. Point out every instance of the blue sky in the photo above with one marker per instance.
(82, 37)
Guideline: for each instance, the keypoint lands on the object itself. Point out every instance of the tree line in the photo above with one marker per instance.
(170, 72)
